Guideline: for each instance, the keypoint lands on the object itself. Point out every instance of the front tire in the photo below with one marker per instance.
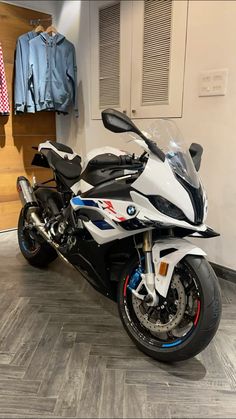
(206, 313)
(37, 252)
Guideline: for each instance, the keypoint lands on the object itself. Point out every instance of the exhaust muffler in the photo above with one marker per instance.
(25, 191)
(30, 205)
(28, 200)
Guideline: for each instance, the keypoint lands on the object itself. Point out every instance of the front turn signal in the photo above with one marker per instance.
(163, 269)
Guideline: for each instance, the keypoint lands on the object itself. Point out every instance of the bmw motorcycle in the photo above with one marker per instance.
(122, 221)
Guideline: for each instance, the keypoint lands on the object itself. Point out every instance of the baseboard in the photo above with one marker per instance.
(225, 273)
(8, 229)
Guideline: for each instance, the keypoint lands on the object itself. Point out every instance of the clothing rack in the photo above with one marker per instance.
(14, 152)
(35, 22)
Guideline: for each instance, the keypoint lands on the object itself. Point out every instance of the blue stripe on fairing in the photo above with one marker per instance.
(168, 345)
(90, 203)
(86, 202)
(103, 225)
(77, 201)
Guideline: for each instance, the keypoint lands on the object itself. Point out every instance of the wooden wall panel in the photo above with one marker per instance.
(18, 133)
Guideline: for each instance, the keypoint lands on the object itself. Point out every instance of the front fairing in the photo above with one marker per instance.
(175, 179)
(158, 179)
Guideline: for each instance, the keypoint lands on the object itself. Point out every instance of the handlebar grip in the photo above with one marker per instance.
(104, 160)
(110, 160)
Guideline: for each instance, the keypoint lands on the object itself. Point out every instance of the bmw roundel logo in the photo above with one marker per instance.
(131, 210)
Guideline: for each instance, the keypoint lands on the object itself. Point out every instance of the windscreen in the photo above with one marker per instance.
(168, 138)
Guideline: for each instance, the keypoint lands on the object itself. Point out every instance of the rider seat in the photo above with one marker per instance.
(71, 169)
(63, 160)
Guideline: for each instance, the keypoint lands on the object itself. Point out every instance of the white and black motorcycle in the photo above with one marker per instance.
(121, 221)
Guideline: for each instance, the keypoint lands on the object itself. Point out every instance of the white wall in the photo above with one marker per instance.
(210, 121)
(72, 21)
(40, 5)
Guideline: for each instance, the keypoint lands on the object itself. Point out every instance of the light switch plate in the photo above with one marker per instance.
(213, 82)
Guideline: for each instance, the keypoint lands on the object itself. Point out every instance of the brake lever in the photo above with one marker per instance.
(141, 158)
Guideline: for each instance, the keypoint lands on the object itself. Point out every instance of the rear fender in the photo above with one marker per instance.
(170, 251)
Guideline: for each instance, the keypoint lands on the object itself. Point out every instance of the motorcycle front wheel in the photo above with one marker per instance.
(183, 323)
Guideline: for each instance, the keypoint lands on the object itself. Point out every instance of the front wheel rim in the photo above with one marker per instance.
(168, 340)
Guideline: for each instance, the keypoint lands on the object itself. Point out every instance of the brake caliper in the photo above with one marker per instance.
(135, 279)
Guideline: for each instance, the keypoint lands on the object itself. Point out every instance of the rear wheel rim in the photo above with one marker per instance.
(187, 325)
(29, 244)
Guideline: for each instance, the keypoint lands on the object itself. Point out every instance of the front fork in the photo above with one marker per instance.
(157, 283)
(148, 278)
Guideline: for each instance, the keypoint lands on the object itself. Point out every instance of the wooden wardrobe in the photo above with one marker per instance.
(18, 133)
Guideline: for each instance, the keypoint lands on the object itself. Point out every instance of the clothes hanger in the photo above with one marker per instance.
(51, 29)
(39, 28)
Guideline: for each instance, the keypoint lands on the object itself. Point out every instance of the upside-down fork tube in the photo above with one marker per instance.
(149, 276)
(147, 249)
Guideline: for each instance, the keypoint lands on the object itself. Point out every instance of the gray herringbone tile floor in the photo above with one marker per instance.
(63, 353)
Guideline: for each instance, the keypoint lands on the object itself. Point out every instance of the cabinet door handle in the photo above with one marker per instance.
(124, 111)
(133, 111)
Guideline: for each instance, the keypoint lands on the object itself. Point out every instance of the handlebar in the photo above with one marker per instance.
(111, 160)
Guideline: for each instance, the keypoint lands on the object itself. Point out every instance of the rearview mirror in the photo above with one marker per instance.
(116, 121)
(196, 151)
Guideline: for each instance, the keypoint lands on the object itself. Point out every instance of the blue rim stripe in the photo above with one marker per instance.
(169, 345)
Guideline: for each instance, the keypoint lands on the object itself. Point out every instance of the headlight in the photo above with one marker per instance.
(167, 208)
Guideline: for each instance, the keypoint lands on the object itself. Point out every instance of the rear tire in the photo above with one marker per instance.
(37, 253)
(207, 317)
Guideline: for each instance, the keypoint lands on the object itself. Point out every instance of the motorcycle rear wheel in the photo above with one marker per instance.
(205, 316)
(37, 253)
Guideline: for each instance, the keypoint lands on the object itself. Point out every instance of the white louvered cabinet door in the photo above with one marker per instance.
(110, 38)
(158, 55)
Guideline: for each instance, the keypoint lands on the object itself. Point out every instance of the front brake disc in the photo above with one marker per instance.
(153, 321)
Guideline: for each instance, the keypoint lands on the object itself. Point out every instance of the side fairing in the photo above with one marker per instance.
(107, 216)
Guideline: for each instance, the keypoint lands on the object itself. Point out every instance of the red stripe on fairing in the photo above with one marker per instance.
(109, 206)
(121, 218)
(198, 313)
(125, 286)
